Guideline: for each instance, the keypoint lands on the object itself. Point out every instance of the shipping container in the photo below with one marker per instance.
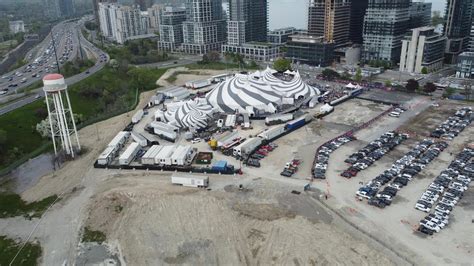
(190, 180)
(298, 122)
(129, 154)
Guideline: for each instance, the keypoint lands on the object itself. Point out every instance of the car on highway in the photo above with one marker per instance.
(4, 91)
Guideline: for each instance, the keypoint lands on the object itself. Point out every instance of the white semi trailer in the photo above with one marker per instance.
(190, 180)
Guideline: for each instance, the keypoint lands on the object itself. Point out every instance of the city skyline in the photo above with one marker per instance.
(287, 13)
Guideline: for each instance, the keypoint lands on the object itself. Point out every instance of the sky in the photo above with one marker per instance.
(284, 13)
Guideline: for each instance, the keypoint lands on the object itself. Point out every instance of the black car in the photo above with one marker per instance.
(286, 173)
(425, 230)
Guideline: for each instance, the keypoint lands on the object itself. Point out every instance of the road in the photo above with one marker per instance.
(41, 60)
(181, 61)
(101, 59)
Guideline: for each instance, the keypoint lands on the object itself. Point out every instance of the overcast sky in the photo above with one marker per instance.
(285, 13)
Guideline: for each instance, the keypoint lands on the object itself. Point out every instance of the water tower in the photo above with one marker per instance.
(61, 118)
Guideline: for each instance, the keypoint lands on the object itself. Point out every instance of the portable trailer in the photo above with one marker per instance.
(119, 139)
(164, 156)
(107, 156)
(180, 155)
(137, 116)
(129, 153)
(149, 157)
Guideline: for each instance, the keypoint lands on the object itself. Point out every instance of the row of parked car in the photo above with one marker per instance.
(322, 155)
(445, 191)
(262, 152)
(291, 168)
(373, 152)
(454, 125)
(400, 173)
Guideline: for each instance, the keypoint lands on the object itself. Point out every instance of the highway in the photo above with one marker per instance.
(66, 35)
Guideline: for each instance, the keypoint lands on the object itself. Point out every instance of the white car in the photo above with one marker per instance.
(196, 140)
(3, 92)
(431, 225)
(362, 194)
(441, 210)
(395, 186)
(394, 114)
(422, 207)
(440, 223)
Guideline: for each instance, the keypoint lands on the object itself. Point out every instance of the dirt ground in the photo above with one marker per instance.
(190, 75)
(263, 224)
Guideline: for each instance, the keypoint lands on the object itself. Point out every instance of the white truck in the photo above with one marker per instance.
(190, 181)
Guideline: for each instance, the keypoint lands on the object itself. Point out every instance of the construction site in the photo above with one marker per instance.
(161, 187)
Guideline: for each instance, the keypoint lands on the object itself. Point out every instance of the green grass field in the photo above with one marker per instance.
(21, 133)
(29, 255)
(93, 236)
(12, 205)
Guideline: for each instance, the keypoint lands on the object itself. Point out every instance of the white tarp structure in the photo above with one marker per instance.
(260, 90)
(188, 114)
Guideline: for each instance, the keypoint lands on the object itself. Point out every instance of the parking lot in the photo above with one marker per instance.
(397, 224)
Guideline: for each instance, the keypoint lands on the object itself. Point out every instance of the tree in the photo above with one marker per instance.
(468, 91)
(346, 76)
(436, 18)
(388, 83)
(44, 128)
(282, 64)
(211, 57)
(41, 113)
(3, 138)
(424, 70)
(448, 92)
(412, 85)
(429, 87)
(358, 75)
(329, 74)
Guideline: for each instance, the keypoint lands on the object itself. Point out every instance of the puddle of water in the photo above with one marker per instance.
(28, 174)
